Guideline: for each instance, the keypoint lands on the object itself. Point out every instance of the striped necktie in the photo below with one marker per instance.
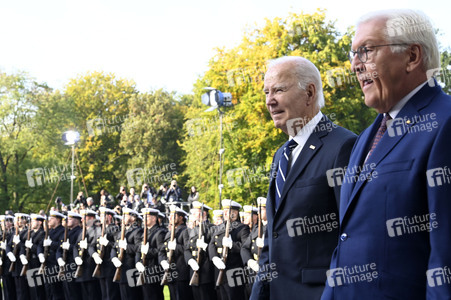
(283, 169)
(380, 132)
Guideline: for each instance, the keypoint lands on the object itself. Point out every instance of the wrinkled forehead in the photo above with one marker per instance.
(278, 73)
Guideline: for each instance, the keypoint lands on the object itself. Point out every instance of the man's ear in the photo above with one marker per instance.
(311, 93)
(415, 60)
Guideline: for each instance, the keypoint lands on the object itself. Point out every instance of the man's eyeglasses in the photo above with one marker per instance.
(362, 52)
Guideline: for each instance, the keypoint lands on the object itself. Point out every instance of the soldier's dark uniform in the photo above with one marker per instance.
(53, 290)
(90, 286)
(22, 291)
(206, 288)
(178, 287)
(152, 289)
(36, 237)
(110, 290)
(239, 233)
(249, 250)
(133, 235)
(9, 287)
(72, 288)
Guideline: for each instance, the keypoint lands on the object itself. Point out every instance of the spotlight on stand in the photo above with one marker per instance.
(71, 138)
(216, 99)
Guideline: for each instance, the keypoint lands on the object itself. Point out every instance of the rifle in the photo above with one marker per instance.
(97, 272)
(12, 267)
(27, 253)
(117, 275)
(143, 255)
(260, 229)
(164, 280)
(62, 269)
(46, 249)
(195, 278)
(2, 252)
(79, 271)
(225, 250)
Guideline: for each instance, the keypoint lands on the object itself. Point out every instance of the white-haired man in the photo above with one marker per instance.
(395, 224)
(302, 200)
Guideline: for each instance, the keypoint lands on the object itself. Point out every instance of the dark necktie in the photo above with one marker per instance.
(380, 132)
(283, 169)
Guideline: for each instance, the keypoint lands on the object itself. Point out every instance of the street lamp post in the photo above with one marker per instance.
(71, 138)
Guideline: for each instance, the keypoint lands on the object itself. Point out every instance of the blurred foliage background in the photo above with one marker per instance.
(130, 137)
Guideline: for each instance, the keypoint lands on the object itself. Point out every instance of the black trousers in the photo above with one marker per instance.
(204, 291)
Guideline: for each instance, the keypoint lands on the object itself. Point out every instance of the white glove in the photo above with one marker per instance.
(97, 258)
(23, 259)
(66, 245)
(61, 262)
(3, 245)
(165, 264)
(252, 264)
(11, 256)
(218, 263)
(123, 244)
(193, 264)
(1, 262)
(16, 239)
(145, 248)
(84, 244)
(116, 262)
(78, 261)
(28, 244)
(201, 243)
(41, 258)
(227, 242)
(140, 267)
(103, 241)
(260, 242)
(47, 242)
(172, 245)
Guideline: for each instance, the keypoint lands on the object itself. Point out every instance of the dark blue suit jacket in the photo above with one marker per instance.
(395, 212)
(297, 254)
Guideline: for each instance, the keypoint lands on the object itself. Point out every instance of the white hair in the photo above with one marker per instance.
(407, 26)
(306, 73)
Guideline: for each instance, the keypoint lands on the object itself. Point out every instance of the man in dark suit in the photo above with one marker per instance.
(395, 199)
(302, 204)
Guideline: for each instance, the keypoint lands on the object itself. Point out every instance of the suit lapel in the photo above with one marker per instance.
(309, 150)
(406, 118)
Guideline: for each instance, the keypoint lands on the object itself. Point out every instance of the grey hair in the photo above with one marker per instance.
(306, 73)
(407, 26)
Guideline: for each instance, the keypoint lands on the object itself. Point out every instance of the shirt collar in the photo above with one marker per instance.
(398, 106)
(303, 134)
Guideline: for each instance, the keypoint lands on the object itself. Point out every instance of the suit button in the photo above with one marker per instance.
(275, 235)
(343, 237)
